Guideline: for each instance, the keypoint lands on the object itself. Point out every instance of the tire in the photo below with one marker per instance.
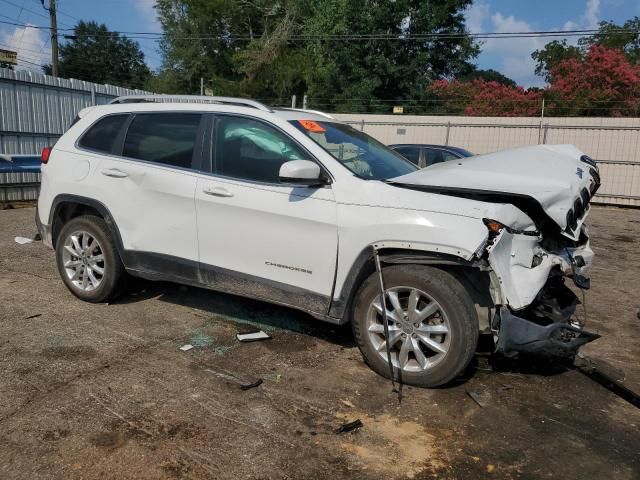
(103, 286)
(435, 289)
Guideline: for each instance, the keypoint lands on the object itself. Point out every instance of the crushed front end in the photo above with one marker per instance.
(529, 269)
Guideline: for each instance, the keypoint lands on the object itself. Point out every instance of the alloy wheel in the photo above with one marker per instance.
(419, 330)
(83, 260)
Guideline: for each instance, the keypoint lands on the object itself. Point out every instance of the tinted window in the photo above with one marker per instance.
(410, 153)
(166, 138)
(436, 155)
(252, 150)
(360, 153)
(103, 134)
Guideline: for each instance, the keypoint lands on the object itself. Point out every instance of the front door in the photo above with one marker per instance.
(257, 237)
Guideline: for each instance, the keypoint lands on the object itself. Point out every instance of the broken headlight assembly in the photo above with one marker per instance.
(495, 227)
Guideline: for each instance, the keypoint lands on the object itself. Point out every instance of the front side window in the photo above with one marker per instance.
(360, 153)
(164, 138)
(251, 150)
(102, 136)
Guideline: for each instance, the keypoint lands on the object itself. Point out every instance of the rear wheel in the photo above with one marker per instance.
(433, 325)
(87, 259)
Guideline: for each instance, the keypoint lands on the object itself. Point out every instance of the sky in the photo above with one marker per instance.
(509, 56)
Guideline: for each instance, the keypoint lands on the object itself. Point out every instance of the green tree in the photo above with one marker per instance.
(489, 75)
(95, 54)
(553, 54)
(374, 74)
(272, 49)
(610, 36)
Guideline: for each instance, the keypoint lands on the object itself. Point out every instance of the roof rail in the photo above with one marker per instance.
(306, 110)
(191, 99)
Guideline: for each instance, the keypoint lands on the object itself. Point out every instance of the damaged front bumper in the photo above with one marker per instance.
(559, 339)
(535, 308)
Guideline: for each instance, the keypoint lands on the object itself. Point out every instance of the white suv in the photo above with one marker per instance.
(293, 207)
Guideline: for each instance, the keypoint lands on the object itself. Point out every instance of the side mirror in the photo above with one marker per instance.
(302, 172)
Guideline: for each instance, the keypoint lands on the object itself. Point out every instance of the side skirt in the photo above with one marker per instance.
(158, 267)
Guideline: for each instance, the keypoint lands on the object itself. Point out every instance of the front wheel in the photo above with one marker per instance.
(433, 325)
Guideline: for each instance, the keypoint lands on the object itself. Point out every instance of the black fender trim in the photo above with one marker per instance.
(95, 204)
(363, 266)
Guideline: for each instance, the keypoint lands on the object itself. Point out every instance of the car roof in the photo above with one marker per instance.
(187, 103)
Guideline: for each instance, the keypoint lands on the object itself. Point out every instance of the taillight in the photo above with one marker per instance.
(46, 153)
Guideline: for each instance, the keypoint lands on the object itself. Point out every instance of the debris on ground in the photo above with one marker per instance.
(186, 348)
(248, 386)
(347, 403)
(201, 340)
(23, 240)
(253, 336)
(35, 315)
(349, 427)
(481, 398)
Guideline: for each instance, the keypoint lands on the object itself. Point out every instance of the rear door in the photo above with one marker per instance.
(257, 236)
(148, 184)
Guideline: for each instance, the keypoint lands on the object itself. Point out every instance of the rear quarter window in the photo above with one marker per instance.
(102, 135)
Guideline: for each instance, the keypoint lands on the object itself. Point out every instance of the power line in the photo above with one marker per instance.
(39, 14)
(354, 36)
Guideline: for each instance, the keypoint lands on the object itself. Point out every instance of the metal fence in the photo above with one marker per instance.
(613, 142)
(36, 109)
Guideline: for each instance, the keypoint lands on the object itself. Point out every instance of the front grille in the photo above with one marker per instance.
(584, 195)
(581, 204)
(588, 160)
(571, 220)
(596, 180)
(578, 208)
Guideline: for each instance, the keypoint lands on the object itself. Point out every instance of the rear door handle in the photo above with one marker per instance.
(114, 173)
(217, 191)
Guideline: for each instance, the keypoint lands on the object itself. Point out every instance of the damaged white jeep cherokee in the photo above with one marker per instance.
(296, 208)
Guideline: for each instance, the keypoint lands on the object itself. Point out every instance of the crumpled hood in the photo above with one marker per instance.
(552, 175)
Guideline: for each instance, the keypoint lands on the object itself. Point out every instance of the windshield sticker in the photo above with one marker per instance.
(312, 126)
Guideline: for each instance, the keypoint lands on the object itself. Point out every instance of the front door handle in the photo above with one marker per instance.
(217, 191)
(114, 173)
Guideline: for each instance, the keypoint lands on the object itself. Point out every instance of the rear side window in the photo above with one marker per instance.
(102, 136)
(410, 153)
(436, 155)
(165, 138)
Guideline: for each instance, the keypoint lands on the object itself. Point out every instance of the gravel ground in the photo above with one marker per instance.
(103, 391)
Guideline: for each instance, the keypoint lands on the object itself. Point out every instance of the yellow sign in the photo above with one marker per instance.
(7, 56)
(398, 109)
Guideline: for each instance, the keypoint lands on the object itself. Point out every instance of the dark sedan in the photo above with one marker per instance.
(424, 155)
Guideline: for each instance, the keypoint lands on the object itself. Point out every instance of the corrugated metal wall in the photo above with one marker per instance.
(613, 142)
(36, 109)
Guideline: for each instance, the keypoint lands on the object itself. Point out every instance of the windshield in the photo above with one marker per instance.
(360, 153)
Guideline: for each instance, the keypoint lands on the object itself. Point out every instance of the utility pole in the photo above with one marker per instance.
(54, 37)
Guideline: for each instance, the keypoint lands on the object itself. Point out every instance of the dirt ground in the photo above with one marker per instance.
(103, 391)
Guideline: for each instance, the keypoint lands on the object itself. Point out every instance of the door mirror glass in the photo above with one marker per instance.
(301, 172)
